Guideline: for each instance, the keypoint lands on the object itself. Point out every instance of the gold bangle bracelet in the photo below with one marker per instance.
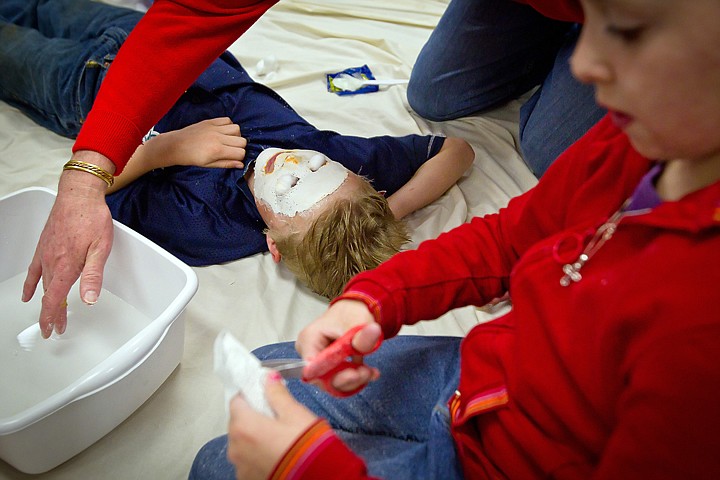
(91, 169)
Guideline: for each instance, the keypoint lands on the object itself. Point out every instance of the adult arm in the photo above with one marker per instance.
(433, 178)
(173, 43)
(169, 48)
(76, 240)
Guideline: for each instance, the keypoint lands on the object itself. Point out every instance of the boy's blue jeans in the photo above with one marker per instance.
(484, 53)
(400, 424)
(54, 56)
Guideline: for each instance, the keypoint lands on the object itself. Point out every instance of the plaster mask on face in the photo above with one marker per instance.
(293, 181)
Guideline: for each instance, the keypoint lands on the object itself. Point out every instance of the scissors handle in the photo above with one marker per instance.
(334, 359)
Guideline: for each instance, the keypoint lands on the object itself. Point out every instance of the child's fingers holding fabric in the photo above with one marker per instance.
(257, 442)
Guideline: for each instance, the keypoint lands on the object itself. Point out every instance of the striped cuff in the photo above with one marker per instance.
(304, 450)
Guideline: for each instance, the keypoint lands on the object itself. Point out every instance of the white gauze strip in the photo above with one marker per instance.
(240, 371)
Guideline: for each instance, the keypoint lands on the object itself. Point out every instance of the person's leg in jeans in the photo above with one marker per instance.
(54, 55)
(558, 113)
(486, 52)
(399, 424)
(482, 54)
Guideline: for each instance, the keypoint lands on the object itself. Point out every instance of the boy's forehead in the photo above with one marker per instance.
(347, 190)
(300, 222)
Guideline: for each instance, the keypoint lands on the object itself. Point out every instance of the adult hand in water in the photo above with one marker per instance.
(76, 241)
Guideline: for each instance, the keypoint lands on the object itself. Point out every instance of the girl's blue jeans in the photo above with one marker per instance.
(54, 55)
(399, 425)
(484, 53)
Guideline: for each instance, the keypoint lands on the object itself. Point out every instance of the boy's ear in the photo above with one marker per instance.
(272, 246)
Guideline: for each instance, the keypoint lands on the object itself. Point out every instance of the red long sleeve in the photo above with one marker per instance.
(173, 43)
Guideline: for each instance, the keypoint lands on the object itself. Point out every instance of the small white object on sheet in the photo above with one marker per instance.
(240, 372)
(267, 67)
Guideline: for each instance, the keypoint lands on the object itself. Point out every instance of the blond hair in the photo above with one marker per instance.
(352, 235)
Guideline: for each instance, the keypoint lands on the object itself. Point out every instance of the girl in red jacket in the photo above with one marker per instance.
(607, 364)
(606, 367)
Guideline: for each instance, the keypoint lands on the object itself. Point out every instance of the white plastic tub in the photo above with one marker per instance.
(59, 396)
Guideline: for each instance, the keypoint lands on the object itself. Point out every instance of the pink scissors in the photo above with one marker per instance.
(333, 359)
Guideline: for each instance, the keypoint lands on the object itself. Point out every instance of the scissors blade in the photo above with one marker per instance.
(287, 367)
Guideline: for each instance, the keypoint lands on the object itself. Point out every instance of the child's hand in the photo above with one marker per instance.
(214, 143)
(338, 319)
(257, 442)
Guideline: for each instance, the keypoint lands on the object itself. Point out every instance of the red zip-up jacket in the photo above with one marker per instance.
(615, 376)
(173, 43)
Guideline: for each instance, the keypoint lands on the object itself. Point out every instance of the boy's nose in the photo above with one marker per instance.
(587, 63)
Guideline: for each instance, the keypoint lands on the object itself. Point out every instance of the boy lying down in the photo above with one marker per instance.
(324, 220)
(232, 170)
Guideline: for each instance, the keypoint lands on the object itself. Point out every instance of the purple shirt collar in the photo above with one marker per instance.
(645, 194)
